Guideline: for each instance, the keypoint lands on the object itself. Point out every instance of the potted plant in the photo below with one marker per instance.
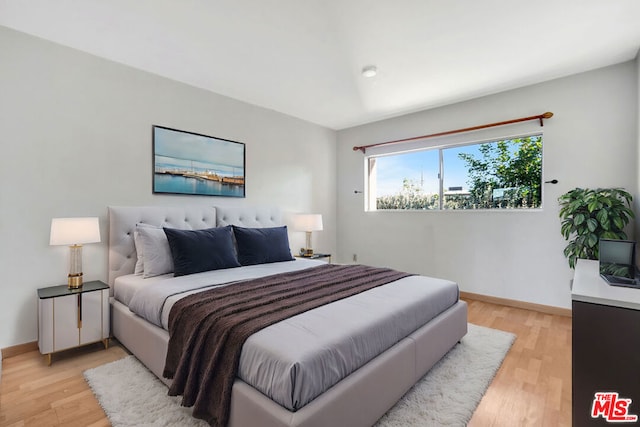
(588, 215)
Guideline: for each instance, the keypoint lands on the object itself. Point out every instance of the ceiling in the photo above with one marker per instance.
(304, 57)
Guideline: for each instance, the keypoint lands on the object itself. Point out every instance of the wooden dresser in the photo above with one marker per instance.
(606, 350)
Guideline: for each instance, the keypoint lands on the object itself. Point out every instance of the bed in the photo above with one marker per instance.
(358, 395)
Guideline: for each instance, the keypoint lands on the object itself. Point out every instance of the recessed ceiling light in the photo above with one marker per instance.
(369, 71)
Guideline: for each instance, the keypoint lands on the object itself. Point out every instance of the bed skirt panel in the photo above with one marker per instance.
(358, 400)
(437, 337)
(145, 340)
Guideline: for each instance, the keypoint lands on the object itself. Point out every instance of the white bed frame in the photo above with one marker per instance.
(358, 400)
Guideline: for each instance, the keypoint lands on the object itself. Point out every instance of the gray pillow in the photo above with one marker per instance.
(156, 251)
(137, 241)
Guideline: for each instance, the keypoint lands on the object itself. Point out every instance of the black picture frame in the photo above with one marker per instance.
(195, 164)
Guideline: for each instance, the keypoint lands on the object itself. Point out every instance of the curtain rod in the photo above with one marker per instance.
(546, 115)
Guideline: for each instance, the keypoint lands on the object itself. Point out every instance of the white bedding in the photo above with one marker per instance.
(143, 299)
(295, 360)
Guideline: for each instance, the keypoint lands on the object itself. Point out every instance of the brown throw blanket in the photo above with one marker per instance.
(207, 329)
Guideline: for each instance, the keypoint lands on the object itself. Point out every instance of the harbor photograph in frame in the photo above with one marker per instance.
(190, 163)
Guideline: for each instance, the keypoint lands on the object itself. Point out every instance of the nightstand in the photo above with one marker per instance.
(69, 318)
(326, 257)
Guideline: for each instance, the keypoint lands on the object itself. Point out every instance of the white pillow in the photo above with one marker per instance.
(156, 253)
(137, 241)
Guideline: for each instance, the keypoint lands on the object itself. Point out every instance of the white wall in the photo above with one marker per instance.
(590, 142)
(75, 132)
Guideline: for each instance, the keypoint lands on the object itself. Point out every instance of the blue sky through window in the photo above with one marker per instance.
(421, 167)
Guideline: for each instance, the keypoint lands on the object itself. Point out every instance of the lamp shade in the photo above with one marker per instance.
(307, 222)
(74, 231)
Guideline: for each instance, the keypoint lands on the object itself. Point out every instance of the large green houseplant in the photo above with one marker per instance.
(588, 215)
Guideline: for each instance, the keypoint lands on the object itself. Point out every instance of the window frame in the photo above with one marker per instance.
(370, 201)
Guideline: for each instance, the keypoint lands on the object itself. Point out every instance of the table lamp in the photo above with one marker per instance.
(74, 232)
(307, 223)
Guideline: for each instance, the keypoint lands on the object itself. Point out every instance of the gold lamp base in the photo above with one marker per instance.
(75, 281)
(307, 249)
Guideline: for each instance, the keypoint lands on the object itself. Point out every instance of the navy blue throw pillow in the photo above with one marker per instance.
(194, 251)
(262, 245)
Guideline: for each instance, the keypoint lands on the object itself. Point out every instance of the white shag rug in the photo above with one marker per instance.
(446, 396)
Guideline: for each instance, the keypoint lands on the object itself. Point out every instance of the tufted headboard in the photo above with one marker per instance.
(249, 217)
(123, 220)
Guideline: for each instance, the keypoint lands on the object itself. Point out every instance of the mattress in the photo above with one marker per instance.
(296, 360)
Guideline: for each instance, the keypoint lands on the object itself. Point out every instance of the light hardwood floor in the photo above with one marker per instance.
(532, 388)
(533, 385)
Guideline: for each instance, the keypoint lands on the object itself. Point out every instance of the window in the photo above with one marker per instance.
(500, 174)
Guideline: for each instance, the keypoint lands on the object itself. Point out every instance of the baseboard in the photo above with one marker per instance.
(547, 309)
(19, 349)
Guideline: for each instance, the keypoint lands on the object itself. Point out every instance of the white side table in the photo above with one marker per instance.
(326, 257)
(69, 318)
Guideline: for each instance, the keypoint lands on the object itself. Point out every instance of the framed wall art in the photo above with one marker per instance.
(190, 163)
